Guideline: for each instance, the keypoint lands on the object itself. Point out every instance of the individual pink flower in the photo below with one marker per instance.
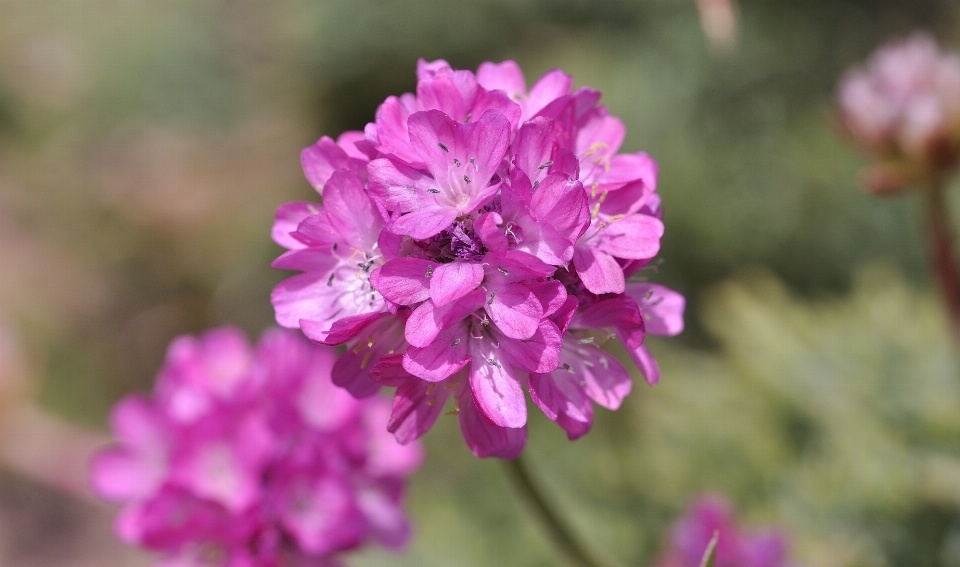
(252, 457)
(735, 548)
(502, 226)
(903, 107)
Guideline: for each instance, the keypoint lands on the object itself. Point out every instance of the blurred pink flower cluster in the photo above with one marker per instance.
(250, 457)
(903, 107)
(735, 548)
(473, 243)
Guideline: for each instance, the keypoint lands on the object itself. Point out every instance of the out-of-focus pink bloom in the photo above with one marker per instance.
(735, 547)
(903, 106)
(501, 227)
(251, 456)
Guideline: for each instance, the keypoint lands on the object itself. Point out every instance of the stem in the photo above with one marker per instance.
(942, 255)
(556, 528)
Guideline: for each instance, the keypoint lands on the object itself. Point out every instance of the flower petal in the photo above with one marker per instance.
(486, 439)
(450, 282)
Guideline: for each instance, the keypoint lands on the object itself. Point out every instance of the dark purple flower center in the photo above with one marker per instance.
(459, 242)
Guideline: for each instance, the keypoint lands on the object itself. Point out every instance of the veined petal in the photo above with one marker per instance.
(562, 399)
(505, 76)
(486, 439)
(416, 406)
(442, 358)
(599, 271)
(450, 282)
(539, 353)
(496, 389)
(427, 320)
(404, 281)
(515, 310)
(351, 211)
(287, 220)
(662, 307)
(634, 237)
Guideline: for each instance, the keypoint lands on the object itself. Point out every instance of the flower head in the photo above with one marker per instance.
(735, 548)
(903, 107)
(252, 457)
(499, 227)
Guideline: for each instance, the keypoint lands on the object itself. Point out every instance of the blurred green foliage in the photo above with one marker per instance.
(145, 145)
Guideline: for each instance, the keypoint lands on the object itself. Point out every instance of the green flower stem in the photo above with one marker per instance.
(942, 255)
(558, 531)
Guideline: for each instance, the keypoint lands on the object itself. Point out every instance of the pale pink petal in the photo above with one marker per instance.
(351, 211)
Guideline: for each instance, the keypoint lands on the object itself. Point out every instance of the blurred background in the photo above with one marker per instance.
(145, 145)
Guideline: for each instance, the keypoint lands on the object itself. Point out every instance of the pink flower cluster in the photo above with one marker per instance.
(735, 548)
(904, 107)
(251, 457)
(473, 243)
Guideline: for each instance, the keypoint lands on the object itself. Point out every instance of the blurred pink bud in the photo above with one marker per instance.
(904, 105)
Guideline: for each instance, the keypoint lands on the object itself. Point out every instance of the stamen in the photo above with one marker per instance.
(603, 195)
(466, 179)
(604, 363)
(335, 246)
(429, 271)
(586, 341)
(545, 165)
(492, 295)
(431, 388)
(451, 385)
(313, 209)
(442, 147)
(567, 367)
(593, 191)
(494, 362)
(595, 211)
(330, 281)
(434, 191)
(366, 360)
(455, 342)
(473, 160)
(466, 118)
(503, 271)
(456, 162)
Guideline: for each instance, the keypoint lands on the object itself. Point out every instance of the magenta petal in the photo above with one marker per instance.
(425, 223)
(415, 410)
(350, 372)
(599, 271)
(351, 212)
(288, 218)
(340, 331)
(550, 87)
(427, 320)
(495, 388)
(606, 380)
(505, 76)
(515, 310)
(404, 281)
(321, 160)
(533, 146)
(562, 399)
(646, 363)
(450, 282)
(562, 202)
(662, 307)
(551, 294)
(486, 439)
(634, 237)
(119, 475)
(539, 353)
(487, 227)
(442, 358)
